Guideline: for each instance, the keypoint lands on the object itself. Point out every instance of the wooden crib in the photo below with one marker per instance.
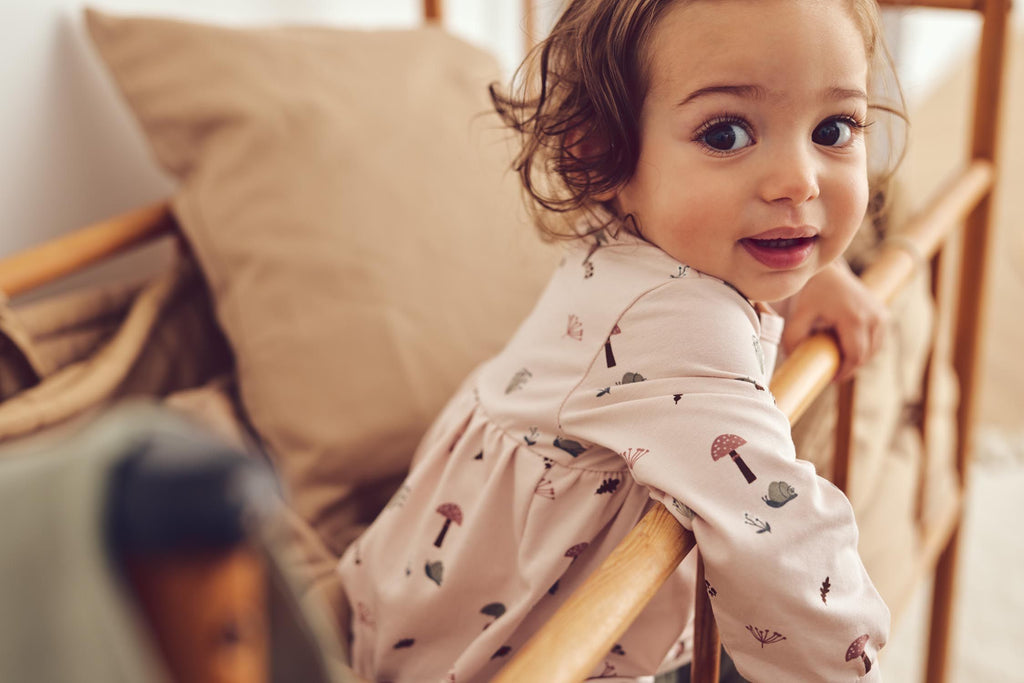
(597, 614)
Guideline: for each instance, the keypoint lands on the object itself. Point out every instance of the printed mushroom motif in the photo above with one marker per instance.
(576, 551)
(856, 649)
(451, 513)
(609, 357)
(726, 444)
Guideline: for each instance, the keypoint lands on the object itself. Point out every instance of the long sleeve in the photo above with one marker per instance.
(686, 405)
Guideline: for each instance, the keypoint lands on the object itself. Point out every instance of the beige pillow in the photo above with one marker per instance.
(350, 207)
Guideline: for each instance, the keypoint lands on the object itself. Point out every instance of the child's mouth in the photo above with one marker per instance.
(780, 254)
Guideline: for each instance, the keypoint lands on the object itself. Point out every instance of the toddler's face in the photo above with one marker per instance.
(752, 164)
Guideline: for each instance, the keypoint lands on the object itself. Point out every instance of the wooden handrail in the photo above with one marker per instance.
(65, 255)
(795, 385)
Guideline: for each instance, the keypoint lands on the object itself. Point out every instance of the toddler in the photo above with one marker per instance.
(701, 157)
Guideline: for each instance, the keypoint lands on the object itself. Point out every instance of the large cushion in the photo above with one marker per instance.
(347, 198)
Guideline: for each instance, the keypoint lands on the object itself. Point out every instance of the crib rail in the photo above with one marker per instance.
(65, 255)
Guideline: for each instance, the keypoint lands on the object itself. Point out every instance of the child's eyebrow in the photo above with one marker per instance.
(837, 93)
(753, 92)
(756, 92)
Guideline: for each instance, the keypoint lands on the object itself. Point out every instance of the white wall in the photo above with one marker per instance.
(70, 152)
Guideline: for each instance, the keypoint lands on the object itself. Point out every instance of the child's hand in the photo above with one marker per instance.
(835, 300)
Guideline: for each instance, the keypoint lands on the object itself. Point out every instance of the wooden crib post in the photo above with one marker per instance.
(432, 11)
(970, 311)
(706, 643)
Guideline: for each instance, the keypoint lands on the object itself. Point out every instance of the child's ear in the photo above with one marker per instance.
(581, 145)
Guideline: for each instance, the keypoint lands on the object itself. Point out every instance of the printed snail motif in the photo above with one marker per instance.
(779, 493)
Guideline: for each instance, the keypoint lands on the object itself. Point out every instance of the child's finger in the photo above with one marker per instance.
(798, 327)
(855, 348)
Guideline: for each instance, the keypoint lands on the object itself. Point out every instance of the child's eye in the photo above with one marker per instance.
(835, 132)
(725, 136)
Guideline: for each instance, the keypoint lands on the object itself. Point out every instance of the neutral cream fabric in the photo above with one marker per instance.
(349, 208)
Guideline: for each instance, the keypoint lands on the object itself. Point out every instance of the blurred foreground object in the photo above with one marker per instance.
(137, 548)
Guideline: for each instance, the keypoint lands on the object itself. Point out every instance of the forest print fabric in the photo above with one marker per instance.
(634, 378)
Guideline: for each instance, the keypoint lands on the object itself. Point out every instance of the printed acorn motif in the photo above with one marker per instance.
(573, 448)
(435, 571)
(779, 493)
(494, 609)
(726, 444)
(631, 378)
(856, 649)
(451, 513)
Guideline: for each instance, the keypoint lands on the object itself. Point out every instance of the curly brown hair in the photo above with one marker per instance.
(576, 102)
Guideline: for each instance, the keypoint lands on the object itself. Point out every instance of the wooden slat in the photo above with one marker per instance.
(606, 604)
(432, 10)
(62, 256)
(971, 309)
(843, 450)
(706, 643)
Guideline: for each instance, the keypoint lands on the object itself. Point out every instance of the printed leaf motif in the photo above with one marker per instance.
(762, 527)
(779, 493)
(682, 272)
(518, 380)
(435, 572)
(404, 642)
(617, 650)
(398, 500)
(479, 456)
(825, 588)
(711, 589)
(588, 270)
(574, 328)
(764, 637)
(676, 398)
(608, 486)
(604, 392)
(683, 509)
(759, 353)
(501, 652)
(631, 455)
(531, 438)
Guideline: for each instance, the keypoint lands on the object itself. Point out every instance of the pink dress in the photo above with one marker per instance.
(635, 379)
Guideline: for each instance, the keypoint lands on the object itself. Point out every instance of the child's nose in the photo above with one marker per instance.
(790, 175)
